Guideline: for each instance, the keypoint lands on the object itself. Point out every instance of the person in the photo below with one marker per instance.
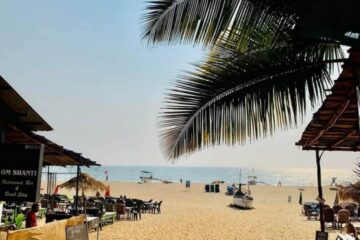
(31, 216)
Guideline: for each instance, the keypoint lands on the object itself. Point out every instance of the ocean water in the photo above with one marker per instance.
(288, 177)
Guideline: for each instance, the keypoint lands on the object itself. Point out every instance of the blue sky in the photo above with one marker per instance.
(84, 68)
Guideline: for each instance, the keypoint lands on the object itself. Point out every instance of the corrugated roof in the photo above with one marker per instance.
(335, 126)
(15, 110)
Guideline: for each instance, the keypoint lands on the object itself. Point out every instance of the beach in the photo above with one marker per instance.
(190, 213)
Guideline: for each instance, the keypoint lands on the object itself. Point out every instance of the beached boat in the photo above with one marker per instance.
(242, 199)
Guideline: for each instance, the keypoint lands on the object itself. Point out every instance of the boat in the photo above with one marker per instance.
(252, 179)
(243, 199)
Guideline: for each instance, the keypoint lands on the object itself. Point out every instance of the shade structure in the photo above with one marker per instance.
(336, 201)
(335, 126)
(350, 191)
(87, 182)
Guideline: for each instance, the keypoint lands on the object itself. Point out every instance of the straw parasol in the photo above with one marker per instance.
(350, 191)
(87, 182)
(336, 201)
(300, 198)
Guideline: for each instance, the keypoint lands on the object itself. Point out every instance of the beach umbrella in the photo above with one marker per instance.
(87, 183)
(350, 191)
(300, 198)
(336, 201)
(107, 193)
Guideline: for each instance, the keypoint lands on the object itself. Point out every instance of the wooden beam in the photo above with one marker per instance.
(332, 120)
(342, 139)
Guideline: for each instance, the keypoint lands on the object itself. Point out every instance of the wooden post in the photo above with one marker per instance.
(77, 189)
(318, 158)
(2, 132)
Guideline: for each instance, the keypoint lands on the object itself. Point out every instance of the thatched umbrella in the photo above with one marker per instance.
(336, 201)
(87, 183)
(350, 192)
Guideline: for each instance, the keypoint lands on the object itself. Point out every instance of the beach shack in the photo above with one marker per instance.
(24, 154)
(335, 126)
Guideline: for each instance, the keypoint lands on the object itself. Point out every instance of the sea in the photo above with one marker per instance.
(266, 176)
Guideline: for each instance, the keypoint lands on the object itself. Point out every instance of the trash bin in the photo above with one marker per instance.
(212, 188)
(187, 184)
(207, 188)
(217, 188)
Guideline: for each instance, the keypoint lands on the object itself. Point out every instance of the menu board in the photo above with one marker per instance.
(77, 232)
(20, 172)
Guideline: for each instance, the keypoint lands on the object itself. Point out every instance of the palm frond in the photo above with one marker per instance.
(235, 97)
(206, 21)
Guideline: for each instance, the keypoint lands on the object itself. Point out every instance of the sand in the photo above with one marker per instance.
(194, 214)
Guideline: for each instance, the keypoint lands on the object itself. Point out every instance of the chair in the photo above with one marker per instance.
(310, 212)
(343, 217)
(158, 207)
(329, 216)
(351, 209)
(326, 206)
(136, 211)
(110, 208)
(337, 208)
(121, 210)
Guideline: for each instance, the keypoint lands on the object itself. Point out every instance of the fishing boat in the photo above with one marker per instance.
(243, 199)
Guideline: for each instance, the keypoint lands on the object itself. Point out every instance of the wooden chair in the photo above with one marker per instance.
(110, 208)
(329, 216)
(121, 211)
(337, 208)
(343, 217)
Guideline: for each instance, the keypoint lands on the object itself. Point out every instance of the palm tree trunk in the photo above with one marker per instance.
(318, 158)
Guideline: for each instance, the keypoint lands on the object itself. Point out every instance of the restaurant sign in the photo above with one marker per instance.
(20, 172)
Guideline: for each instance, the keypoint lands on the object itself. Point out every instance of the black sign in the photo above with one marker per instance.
(77, 232)
(321, 235)
(20, 172)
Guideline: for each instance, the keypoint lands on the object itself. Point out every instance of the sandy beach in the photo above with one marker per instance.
(194, 214)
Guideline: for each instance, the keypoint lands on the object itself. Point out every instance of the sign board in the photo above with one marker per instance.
(77, 232)
(20, 172)
(321, 235)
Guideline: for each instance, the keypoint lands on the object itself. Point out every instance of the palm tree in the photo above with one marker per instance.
(268, 60)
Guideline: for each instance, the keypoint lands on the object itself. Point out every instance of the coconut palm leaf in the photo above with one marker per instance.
(206, 21)
(235, 97)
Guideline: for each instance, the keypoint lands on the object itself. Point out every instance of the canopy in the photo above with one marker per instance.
(350, 191)
(87, 182)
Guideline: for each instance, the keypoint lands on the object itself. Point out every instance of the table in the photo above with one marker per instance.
(344, 237)
(108, 217)
(93, 223)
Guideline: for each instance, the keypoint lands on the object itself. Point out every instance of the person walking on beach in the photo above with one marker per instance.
(31, 216)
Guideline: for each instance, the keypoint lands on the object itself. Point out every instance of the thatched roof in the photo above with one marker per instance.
(350, 192)
(88, 183)
(335, 126)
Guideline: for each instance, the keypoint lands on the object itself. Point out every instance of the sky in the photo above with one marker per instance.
(83, 66)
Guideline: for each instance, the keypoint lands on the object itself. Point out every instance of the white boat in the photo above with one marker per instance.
(242, 200)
